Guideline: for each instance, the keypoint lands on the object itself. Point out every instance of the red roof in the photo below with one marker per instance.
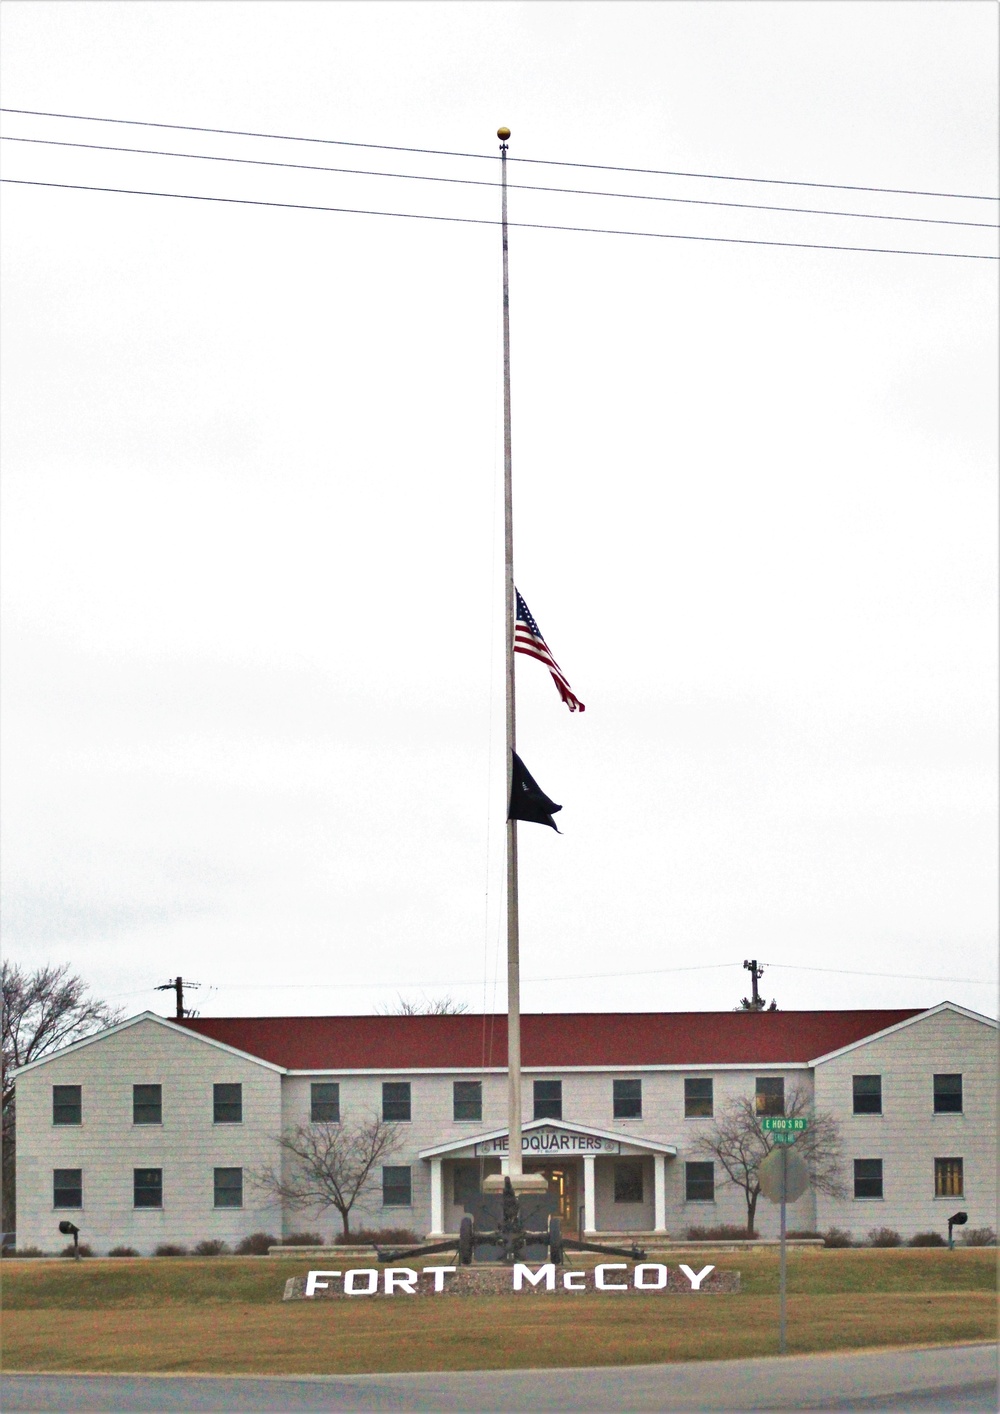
(552, 1040)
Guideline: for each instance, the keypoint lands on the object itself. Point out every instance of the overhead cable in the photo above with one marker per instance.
(484, 156)
(512, 186)
(485, 221)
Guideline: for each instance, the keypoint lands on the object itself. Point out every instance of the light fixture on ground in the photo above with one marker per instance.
(69, 1229)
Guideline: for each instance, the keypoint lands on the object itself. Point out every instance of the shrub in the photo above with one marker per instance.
(802, 1232)
(927, 1239)
(837, 1237)
(256, 1245)
(123, 1252)
(370, 1236)
(211, 1247)
(85, 1250)
(979, 1237)
(884, 1237)
(170, 1249)
(23, 1252)
(303, 1239)
(724, 1232)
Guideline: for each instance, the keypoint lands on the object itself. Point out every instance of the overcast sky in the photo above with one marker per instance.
(254, 727)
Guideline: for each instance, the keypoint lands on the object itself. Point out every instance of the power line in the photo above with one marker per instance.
(514, 186)
(900, 976)
(484, 221)
(580, 977)
(483, 156)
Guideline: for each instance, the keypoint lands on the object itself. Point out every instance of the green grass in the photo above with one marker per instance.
(144, 1283)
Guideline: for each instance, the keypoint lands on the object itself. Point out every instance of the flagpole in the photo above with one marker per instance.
(519, 1181)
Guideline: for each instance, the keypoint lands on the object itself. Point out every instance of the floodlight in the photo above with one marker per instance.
(69, 1229)
(956, 1220)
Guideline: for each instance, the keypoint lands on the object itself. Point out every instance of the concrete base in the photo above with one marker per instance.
(520, 1182)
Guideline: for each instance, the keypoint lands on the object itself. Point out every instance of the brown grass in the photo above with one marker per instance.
(476, 1333)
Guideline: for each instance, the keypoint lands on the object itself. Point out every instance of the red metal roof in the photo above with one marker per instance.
(554, 1041)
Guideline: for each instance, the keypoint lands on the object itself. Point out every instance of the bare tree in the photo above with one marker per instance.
(739, 1145)
(329, 1165)
(437, 1006)
(42, 1010)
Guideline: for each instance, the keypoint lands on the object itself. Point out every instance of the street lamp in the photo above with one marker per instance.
(956, 1220)
(69, 1229)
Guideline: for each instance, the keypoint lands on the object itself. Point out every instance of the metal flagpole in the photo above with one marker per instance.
(519, 1180)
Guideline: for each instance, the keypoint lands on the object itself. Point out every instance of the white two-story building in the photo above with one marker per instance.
(153, 1131)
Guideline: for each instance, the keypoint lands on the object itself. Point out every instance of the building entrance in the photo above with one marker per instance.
(562, 1182)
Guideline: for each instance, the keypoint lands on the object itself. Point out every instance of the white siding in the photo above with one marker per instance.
(107, 1146)
(908, 1135)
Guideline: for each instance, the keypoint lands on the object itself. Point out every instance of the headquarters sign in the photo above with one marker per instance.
(548, 1143)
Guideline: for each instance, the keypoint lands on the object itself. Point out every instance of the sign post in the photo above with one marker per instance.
(783, 1177)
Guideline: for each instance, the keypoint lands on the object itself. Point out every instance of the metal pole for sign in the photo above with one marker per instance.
(784, 1192)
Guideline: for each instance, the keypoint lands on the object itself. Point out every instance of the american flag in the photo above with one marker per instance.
(528, 639)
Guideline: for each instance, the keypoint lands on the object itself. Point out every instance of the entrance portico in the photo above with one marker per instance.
(587, 1169)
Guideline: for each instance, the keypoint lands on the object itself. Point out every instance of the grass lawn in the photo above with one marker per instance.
(226, 1316)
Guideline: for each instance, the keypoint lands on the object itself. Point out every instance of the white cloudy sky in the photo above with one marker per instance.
(254, 703)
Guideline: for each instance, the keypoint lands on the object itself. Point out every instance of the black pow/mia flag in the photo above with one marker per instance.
(527, 800)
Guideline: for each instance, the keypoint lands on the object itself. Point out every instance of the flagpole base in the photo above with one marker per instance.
(520, 1182)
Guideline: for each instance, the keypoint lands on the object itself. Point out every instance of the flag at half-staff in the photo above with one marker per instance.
(527, 799)
(528, 639)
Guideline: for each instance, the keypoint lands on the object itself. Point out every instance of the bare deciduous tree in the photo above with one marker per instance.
(437, 1006)
(739, 1145)
(329, 1165)
(42, 1010)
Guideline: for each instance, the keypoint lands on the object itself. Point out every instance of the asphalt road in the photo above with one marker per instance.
(940, 1378)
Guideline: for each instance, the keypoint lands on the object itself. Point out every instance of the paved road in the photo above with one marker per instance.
(942, 1378)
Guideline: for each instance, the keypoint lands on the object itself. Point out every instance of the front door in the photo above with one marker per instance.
(561, 1179)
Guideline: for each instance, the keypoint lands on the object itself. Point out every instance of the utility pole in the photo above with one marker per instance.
(177, 985)
(755, 975)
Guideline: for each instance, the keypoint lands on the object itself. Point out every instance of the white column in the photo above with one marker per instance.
(437, 1200)
(660, 1192)
(589, 1195)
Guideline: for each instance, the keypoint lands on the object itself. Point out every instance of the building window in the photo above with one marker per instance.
(227, 1104)
(628, 1181)
(396, 1100)
(324, 1102)
(947, 1094)
(867, 1094)
(699, 1183)
(67, 1188)
(467, 1099)
(548, 1099)
(770, 1099)
(949, 1180)
(147, 1188)
(147, 1104)
(626, 1098)
(698, 1099)
(868, 1178)
(396, 1188)
(67, 1104)
(229, 1188)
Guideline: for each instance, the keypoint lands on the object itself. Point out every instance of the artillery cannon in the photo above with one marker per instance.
(510, 1235)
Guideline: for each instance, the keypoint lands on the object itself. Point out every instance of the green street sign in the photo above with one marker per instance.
(781, 1124)
(783, 1138)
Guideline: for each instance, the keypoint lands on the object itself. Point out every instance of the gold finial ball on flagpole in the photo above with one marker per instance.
(503, 134)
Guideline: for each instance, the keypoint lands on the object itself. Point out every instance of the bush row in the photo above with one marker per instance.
(256, 1245)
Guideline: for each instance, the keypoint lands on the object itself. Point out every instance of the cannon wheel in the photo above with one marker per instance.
(466, 1242)
(555, 1240)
